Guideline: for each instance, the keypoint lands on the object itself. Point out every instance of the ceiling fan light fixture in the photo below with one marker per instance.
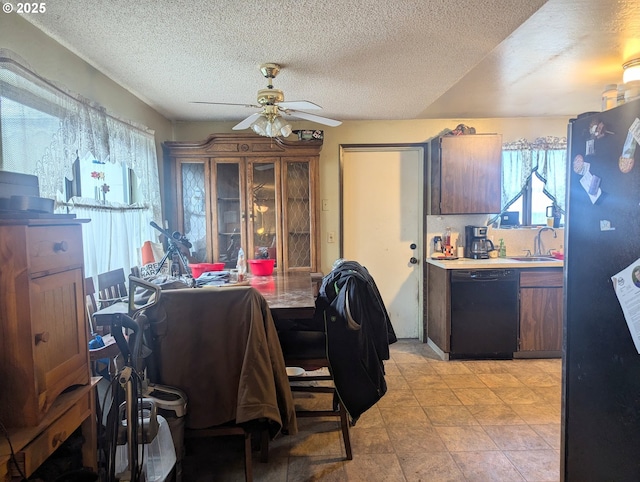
(631, 70)
(259, 126)
(271, 126)
(281, 127)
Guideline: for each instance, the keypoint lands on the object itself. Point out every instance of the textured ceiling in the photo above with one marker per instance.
(359, 60)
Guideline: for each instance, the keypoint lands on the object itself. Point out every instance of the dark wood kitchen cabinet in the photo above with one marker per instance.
(541, 311)
(464, 174)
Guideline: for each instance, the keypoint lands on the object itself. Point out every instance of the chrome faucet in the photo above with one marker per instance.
(538, 247)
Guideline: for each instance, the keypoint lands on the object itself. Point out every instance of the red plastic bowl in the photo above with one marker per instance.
(198, 268)
(261, 267)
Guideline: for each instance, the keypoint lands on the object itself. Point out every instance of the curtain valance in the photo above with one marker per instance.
(76, 126)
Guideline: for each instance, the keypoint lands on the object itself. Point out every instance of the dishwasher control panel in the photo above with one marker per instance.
(483, 274)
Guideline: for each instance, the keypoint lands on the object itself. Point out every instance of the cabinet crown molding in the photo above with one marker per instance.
(242, 145)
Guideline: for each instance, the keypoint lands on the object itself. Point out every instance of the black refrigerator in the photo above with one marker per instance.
(601, 364)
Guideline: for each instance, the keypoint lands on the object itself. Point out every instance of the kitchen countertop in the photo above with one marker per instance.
(493, 263)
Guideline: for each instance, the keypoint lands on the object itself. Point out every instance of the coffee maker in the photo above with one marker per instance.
(476, 244)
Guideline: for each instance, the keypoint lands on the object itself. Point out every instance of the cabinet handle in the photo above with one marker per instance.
(42, 337)
(62, 246)
(59, 438)
(242, 215)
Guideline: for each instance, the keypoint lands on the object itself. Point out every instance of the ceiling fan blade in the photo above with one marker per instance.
(299, 104)
(224, 103)
(246, 123)
(315, 118)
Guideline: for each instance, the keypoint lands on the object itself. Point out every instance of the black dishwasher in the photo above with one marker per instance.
(484, 313)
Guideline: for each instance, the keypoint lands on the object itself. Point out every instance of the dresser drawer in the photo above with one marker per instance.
(40, 448)
(53, 248)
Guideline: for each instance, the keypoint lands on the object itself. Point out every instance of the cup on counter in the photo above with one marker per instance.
(493, 253)
(233, 276)
(460, 251)
(448, 250)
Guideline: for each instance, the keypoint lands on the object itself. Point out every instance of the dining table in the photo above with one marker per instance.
(288, 294)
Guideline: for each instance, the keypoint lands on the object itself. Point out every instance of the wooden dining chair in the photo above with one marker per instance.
(91, 304)
(306, 349)
(110, 350)
(111, 287)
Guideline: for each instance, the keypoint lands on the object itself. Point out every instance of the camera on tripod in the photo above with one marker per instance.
(174, 254)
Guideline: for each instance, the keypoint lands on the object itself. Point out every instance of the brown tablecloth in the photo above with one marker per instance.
(220, 346)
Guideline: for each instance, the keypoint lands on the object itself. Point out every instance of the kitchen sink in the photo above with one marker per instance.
(533, 258)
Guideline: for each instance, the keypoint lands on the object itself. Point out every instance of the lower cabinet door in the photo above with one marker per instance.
(540, 319)
(60, 347)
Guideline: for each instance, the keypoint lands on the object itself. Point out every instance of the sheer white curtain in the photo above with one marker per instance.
(129, 226)
(45, 128)
(546, 157)
(552, 163)
(517, 167)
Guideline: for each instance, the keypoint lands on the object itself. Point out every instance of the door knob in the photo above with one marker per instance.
(413, 260)
(413, 245)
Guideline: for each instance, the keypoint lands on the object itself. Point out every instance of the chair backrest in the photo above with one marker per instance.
(90, 302)
(111, 287)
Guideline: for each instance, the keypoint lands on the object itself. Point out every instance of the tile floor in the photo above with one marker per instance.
(439, 421)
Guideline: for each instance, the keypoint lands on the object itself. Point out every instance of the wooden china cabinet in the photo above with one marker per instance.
(258, 193)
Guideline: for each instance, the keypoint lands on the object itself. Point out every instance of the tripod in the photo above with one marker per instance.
(172, 251)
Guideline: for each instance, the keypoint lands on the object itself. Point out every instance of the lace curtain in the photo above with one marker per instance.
(545, 157)
(70, 126)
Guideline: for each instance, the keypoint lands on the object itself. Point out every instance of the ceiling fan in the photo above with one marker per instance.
(269, 121)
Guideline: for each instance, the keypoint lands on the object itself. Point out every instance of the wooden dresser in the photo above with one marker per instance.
(44, 338)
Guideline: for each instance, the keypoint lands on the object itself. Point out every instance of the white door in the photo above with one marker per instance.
(382, 226)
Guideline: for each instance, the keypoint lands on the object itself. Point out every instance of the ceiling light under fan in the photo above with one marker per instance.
(269, 122)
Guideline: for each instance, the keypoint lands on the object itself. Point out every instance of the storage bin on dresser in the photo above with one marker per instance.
(43, 332)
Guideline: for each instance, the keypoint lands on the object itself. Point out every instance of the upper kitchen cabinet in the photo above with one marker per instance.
(464, 174)
(257, 193)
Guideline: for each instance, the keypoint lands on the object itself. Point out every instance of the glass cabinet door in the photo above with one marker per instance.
(194, 226)
(228, 212)
(298, 213)
(263, 207)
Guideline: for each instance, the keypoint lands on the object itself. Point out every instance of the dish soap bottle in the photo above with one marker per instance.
(446, 238)
(502, 249)
(241, 265)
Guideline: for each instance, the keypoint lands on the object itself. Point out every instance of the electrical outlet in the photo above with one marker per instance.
(331, 237)
(325, 206)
